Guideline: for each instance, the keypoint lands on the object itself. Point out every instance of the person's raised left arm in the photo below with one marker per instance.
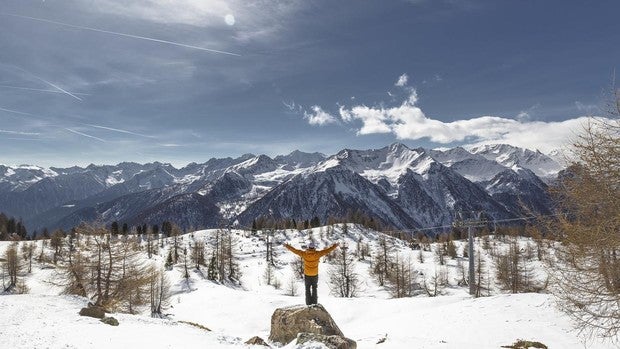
(328, 250)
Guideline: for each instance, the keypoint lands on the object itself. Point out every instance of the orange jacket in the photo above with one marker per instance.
(311, 258)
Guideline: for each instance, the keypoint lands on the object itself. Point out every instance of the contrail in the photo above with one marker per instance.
(41, 90)
(19, 133)
(85, 135)
(49, 83)
(119, 130)
(122, 34)
(57, 87)
(16, 112)
(24, 139)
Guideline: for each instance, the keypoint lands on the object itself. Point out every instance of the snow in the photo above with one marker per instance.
(542, 165)
(327, 164)
(278, 175)
(45, 319)
(9, 172)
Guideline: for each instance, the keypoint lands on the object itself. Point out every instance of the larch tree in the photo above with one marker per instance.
(343, 279)
(11, 267)
(587, 274)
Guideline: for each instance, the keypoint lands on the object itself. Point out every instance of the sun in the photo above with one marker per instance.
(229, 19)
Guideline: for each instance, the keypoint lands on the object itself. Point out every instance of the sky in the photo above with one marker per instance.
(106, 81)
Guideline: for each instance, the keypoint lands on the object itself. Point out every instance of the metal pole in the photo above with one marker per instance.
(470, 236)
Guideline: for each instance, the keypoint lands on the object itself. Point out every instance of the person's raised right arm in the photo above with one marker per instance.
(293, 249)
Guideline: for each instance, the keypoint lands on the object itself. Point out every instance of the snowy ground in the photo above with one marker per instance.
(44, 319)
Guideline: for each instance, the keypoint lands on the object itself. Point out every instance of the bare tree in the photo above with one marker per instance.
(421, 256)
(159, 291)
(198, 253)
(57, 243)
(75, 276)
(450, 248)
(149, 242)
(28, 249)
(402, 280)
(291, 289)
(343, 280)
(223, 265)
(185, 268)
(383, 261)
(12, 267)
(482, 281)
(362, 250)
(268, 275)
(175, 232)
(41, 257)
(433, 285)
(109, 272)
(513, 271)
(440, 253)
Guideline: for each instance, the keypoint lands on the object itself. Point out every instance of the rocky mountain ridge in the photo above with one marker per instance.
(400, 186)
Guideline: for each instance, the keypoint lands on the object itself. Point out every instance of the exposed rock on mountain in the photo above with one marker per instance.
(398, 186)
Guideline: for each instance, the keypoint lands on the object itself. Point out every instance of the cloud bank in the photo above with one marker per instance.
(407, 121)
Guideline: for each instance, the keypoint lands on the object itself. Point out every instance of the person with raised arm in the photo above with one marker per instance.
(311, 258)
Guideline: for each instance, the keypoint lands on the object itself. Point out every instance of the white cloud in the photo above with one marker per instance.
(523, 115)
(318, 116)
(291, 106)
(373, 120)
(544, 136)
(586, 108)
(402, 80)
(251, 19)
(407, 121)
(193, 12)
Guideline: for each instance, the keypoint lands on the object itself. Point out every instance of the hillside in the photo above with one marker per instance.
(235, 312)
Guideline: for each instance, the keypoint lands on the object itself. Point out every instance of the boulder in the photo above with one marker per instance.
(332, 342)
(93, 311)
(287, 323)
(256, 340)
(109, 321)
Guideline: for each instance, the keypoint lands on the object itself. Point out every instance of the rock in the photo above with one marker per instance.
(93, 311)
(109, 321)
(332, 342)
(287, 323)
(256, 340)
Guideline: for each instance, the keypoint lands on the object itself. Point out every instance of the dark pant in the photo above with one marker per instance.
(311, 282)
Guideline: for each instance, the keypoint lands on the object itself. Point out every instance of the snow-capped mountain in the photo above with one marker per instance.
(298, 159)
(474, 167)
(336, 191)
(397, 185)
(507, 155)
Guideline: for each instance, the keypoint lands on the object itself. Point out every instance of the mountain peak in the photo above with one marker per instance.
(508, 155)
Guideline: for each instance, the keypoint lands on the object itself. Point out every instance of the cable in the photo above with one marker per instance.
(416, 230)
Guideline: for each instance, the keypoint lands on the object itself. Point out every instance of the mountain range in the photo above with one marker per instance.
(400, 187)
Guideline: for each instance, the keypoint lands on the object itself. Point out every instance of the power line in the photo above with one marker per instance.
(421, 229)
(495, 221)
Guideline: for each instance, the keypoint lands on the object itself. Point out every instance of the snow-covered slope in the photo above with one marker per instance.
(542, 165)
(336, 192)
(452, 319)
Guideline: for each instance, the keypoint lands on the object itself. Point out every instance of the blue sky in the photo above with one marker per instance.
(105, 81)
